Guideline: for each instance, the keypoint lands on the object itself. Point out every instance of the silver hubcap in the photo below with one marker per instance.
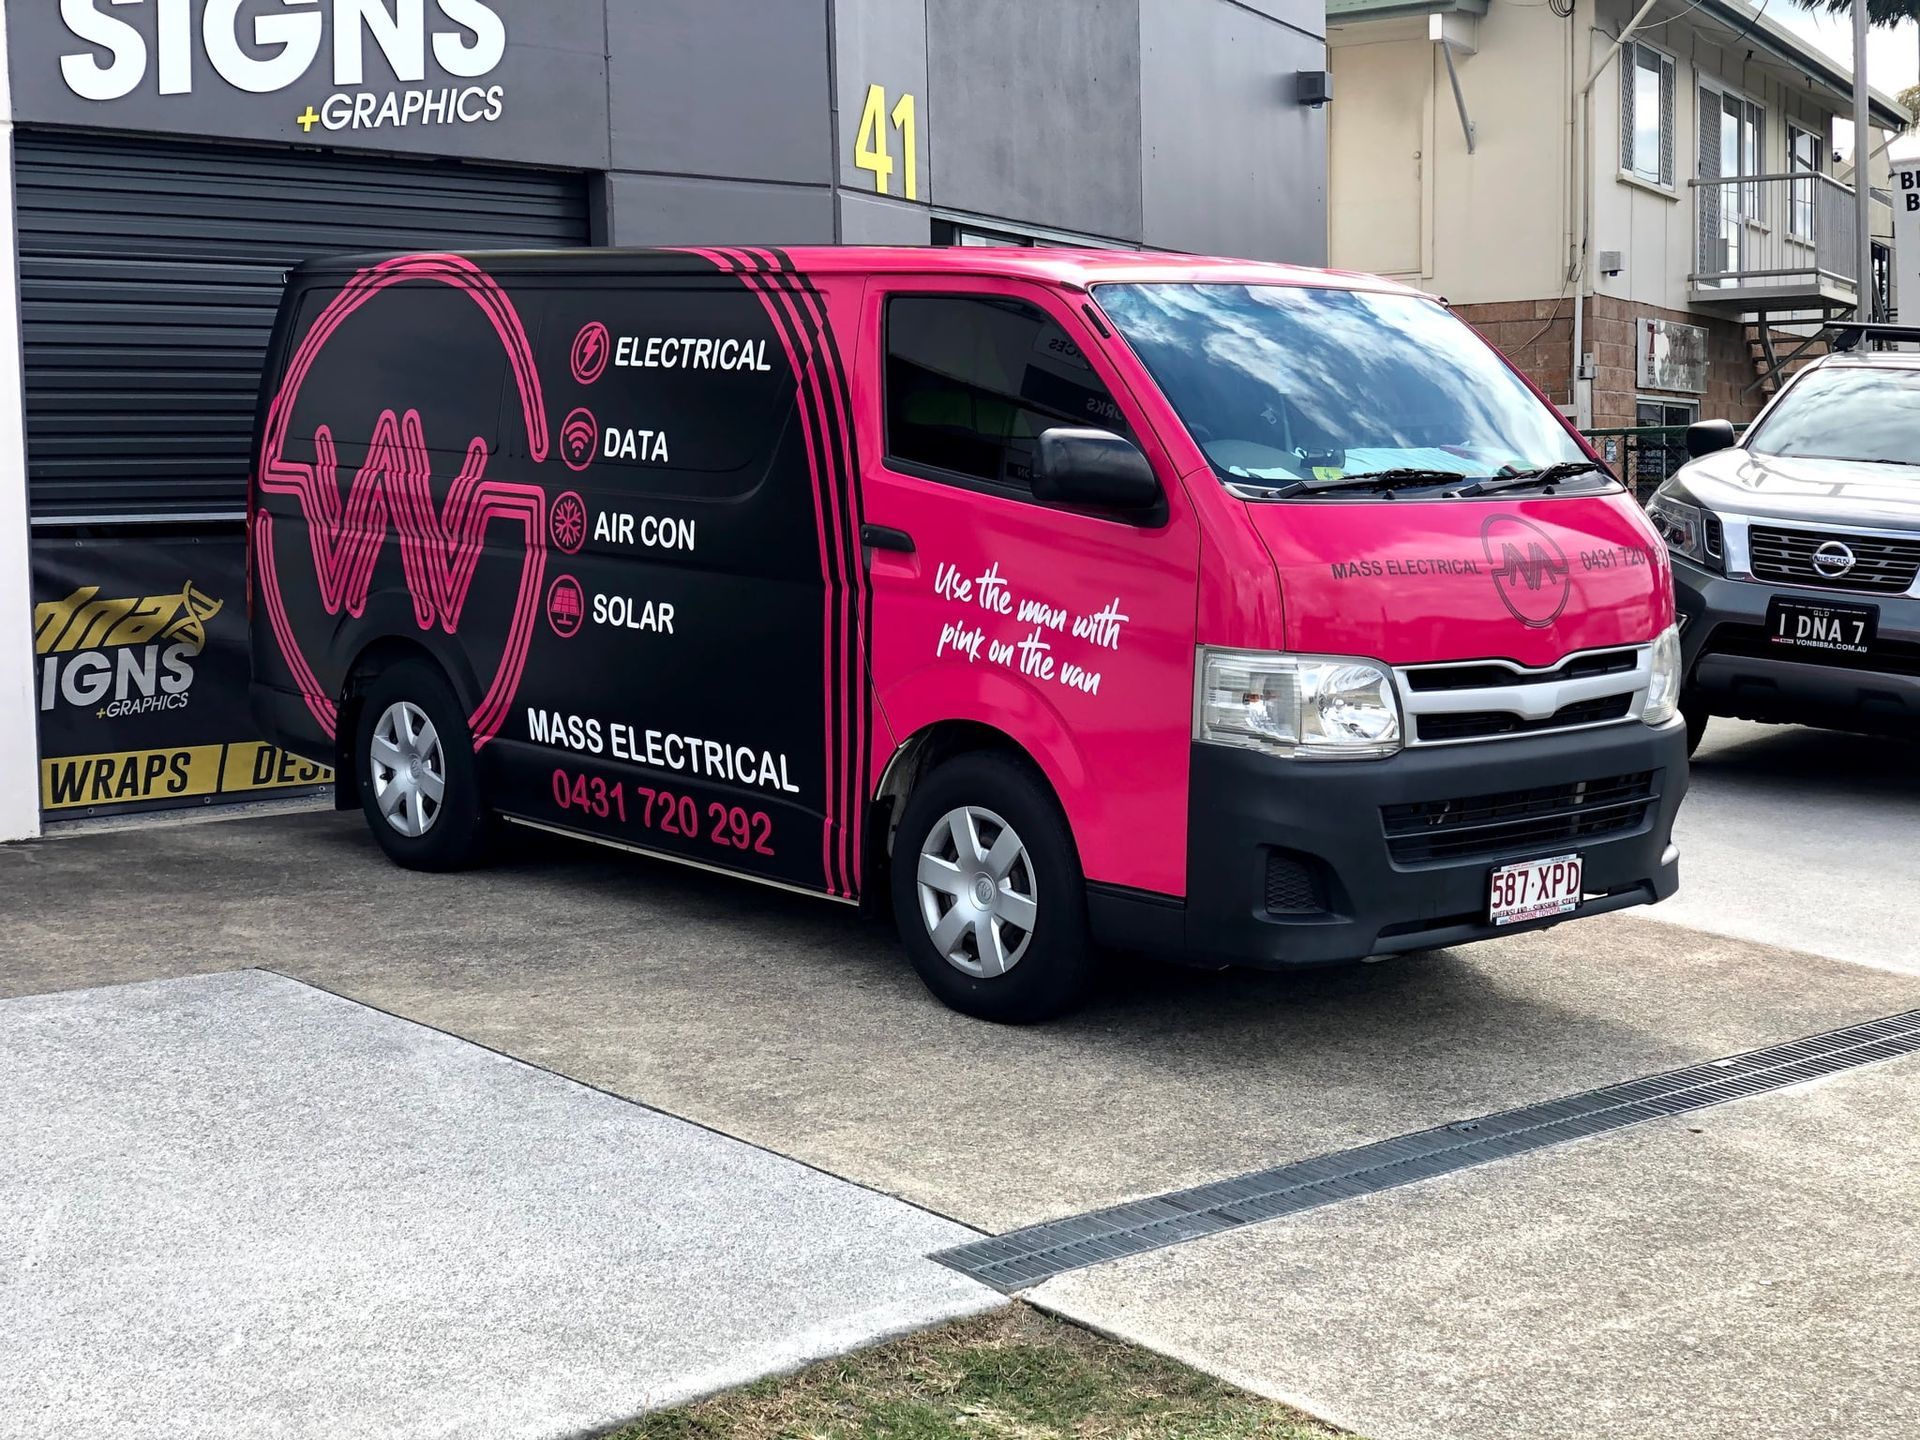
(409, 769)
(977, 892)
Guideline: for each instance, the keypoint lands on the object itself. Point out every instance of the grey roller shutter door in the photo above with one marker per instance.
(149, 277)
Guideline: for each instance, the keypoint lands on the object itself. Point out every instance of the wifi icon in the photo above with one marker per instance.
(579, 439)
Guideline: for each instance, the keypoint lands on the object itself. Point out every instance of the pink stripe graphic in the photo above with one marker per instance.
(439, 549)
(812, 420)
(838, 619)
(853, 568)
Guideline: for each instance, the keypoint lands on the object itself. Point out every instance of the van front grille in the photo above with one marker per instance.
(1468, 700)
(1511, 821)
(1479, 724)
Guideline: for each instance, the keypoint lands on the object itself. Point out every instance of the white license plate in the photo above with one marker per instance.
(1534, 890)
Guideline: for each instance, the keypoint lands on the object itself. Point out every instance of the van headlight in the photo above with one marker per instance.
(1313, 707)
(1663, 686)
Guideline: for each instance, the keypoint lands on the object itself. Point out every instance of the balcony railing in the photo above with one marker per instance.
(1779, 242)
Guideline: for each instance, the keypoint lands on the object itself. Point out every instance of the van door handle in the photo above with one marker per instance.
(883, 537)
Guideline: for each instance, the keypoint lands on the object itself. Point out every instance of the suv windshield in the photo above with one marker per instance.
(1845, 412)
(1280, 384)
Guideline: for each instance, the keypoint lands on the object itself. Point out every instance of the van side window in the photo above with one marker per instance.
(972, 381)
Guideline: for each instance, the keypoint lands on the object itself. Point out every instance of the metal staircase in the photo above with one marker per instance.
(1773, 364)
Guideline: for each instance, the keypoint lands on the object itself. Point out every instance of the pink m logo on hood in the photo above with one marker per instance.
(440, 548)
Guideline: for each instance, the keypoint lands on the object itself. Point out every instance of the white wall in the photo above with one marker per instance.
(1655, 230)
(19, 743)
(1487, 226)
(1408, 200)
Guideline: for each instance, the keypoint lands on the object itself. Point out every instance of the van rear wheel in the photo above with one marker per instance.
(418, 784)
(988, 893)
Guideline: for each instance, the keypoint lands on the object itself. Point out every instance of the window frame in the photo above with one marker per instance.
(1665, 402)
(929, 288)
(1667, 164)
(1753, 198)
(1795, 205)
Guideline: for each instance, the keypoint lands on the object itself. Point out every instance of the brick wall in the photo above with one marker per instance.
(1537, 335)
(1611, 337)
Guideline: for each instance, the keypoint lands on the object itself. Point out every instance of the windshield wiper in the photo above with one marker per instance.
(1385, 481)
(1511, 479)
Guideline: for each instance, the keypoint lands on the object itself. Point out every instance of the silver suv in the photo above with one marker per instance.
(1796, 550)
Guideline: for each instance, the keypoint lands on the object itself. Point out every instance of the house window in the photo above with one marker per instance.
(1646, 116)
(1733, 142)
(1806, 155)
(1658, 456)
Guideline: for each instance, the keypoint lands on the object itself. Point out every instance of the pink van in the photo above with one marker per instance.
(1058, 600)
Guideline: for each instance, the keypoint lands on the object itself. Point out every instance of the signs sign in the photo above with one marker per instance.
(505, 79)
(1906, 241)
(140, 678)
(1669, 355)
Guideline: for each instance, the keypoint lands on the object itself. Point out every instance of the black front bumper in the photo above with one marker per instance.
(1733, 669)
(1314, 837)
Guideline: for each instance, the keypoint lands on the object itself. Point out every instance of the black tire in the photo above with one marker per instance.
(1053, 972)
(457, 833)
(1696, 718)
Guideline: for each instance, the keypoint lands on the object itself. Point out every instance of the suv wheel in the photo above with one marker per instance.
(988, 893)
(1696, 717)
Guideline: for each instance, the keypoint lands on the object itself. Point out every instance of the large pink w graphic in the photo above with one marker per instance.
(439, 549)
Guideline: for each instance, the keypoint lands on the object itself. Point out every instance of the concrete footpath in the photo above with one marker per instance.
(236, 1205)
(1749, 1272)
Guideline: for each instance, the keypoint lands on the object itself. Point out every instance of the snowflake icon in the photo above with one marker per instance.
(570, 523)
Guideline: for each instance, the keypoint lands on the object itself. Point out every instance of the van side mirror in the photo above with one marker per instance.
(1093, 467)
(1705, 437)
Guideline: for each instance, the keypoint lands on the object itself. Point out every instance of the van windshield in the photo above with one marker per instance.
(1316, 389)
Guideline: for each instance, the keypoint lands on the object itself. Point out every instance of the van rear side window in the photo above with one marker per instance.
(972, 382)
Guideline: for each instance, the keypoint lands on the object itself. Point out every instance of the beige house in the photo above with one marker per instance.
(1648, 229)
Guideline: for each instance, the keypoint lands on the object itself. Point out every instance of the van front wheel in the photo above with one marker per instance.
(418, 786)
(988, 893)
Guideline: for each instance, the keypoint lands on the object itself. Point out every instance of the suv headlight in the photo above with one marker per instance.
(1663, 687)
(1680, 525)
(1313, 707)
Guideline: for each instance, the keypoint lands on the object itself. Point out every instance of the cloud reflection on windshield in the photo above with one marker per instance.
(1283, 380)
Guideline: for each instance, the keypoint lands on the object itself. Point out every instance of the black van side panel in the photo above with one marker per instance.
(618, 504)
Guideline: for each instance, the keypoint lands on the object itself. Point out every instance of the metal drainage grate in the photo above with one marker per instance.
(1022, 1258)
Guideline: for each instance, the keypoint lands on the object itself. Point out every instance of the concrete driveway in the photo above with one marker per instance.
(1803, 838)
(797, 1028)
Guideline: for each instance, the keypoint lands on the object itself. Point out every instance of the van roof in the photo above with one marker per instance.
(1072, 268)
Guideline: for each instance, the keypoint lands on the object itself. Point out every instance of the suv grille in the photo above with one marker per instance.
(1882, 566)
(1485, 826)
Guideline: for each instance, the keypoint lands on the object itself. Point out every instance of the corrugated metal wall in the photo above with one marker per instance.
(149, 275)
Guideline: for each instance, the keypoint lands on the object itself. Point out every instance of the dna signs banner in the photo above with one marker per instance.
(140, 677)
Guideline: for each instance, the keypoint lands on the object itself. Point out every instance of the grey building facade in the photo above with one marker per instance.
(171, 158)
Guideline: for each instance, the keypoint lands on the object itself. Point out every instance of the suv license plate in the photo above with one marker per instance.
(1832, 626)
(1534, 890)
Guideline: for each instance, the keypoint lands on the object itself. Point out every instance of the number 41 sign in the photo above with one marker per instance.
(873, 149)
(1906, 240)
